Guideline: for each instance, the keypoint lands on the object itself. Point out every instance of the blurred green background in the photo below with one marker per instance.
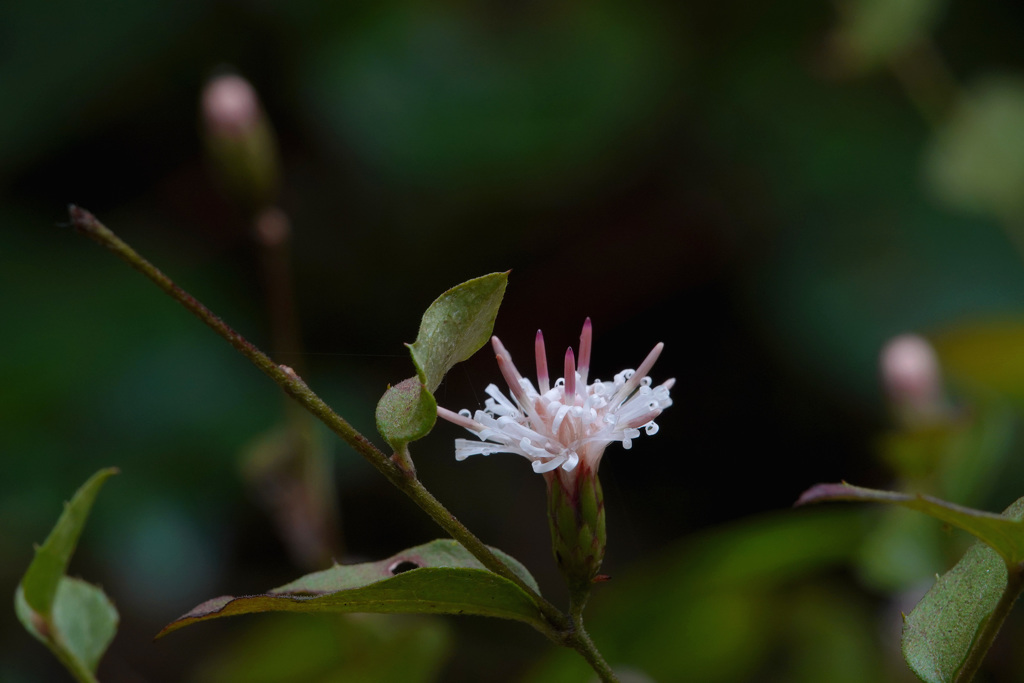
(772, 189)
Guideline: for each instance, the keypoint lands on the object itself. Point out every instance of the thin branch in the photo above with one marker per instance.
(293, 385)
(580, 641)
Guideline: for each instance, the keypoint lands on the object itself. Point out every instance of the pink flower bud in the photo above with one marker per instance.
(240, 142)
(230, 106)
(913, 380)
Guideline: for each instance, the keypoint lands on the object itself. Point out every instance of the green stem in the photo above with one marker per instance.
(987, 635)
(87, 224)
(72, 663)
(580, 641)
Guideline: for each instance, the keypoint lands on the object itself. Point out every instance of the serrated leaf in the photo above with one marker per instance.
(51, 559)
(939, 632)
(440, 577)
(455, 326)
(406, 412)
(1004, 535)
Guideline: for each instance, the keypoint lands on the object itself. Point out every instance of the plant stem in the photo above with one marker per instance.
(74, 666)
(983, 641)
(580, 641)
(87, 224)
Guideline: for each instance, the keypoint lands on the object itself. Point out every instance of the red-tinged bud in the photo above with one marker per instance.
(577, 521)
(240, 141)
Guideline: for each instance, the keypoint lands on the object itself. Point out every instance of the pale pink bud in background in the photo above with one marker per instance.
(913, 380)
(240, 141)
(230, 106)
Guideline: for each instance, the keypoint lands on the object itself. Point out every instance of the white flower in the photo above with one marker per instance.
(567, 424)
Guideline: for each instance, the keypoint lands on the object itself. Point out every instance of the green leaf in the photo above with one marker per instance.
(873, 31)
(985, 355)
(440, 577)
(719, 606)
(51, 560)
(297, 649)
(74, 619)
(84, 622)
(977, 159)
(455, 326)
(1005, 535)
(406, 412)
(939, 632)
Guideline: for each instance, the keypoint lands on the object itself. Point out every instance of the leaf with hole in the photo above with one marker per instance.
(1004, 534)
(439, 577)
(74, 619)
(939, 632)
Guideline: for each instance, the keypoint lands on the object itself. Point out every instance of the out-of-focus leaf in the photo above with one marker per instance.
(82, 623)
(455, 326)
(828, 634)
(343, 649)
(1004, 534)
(449, 100)
(440, 577)
(41, 46)
(406, 412)
(938, 633)
(977, 158)
(902, 550)
(71, 617)
(710, 610)
(289, 471)
(985, 355)
(50, 563)
(873, 31)
(960, 457)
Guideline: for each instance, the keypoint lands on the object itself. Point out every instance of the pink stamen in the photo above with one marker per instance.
(543, 381)
(460, 420)
(641, 372)
(514, 380)
(570, 376)
(586, 338)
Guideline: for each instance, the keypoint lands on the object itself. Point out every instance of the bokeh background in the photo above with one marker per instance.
(772, 189)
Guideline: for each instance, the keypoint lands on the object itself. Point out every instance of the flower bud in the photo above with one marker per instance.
(913, 380)
(576, 518)
(240, 141)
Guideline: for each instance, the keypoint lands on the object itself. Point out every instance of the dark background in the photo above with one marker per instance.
(773, 190)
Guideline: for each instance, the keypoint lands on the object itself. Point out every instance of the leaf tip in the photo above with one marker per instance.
(817, 493)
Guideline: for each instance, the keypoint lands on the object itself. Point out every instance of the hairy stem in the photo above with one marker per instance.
(983, 641)
(580, 641)
(87, 224)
